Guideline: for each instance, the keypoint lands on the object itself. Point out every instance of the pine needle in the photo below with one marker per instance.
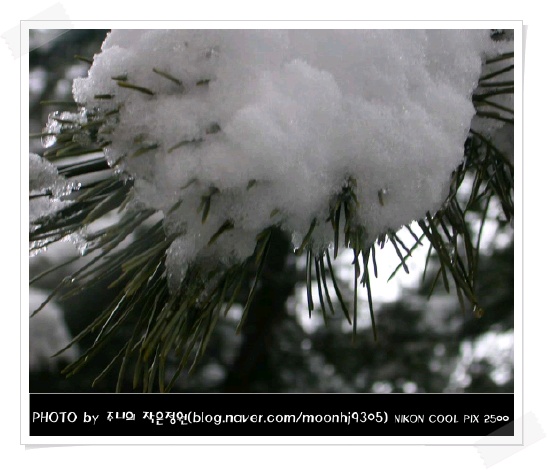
(131, 86)
(168, 76)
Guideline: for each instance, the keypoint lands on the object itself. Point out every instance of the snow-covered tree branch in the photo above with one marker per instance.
(186, 151)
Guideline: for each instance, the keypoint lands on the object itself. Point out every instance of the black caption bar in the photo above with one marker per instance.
(271, 414)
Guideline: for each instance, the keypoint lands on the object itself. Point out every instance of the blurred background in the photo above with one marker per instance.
(425, 342)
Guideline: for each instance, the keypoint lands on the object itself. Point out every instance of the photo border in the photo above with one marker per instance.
(518, 411)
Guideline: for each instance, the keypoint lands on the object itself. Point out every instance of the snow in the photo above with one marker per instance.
(493, 348)
(500, 133)
(44, 177)
(266, 126)
(48, 333)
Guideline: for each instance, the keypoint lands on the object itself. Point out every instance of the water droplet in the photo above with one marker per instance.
(53, 126)
(478, 311)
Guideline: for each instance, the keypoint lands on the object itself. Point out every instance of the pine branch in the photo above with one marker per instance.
(176, 325)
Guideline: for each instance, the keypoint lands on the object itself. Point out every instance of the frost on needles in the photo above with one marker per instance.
(229, 132)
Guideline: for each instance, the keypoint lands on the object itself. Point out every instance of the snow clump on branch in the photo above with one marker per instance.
(229, 132)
